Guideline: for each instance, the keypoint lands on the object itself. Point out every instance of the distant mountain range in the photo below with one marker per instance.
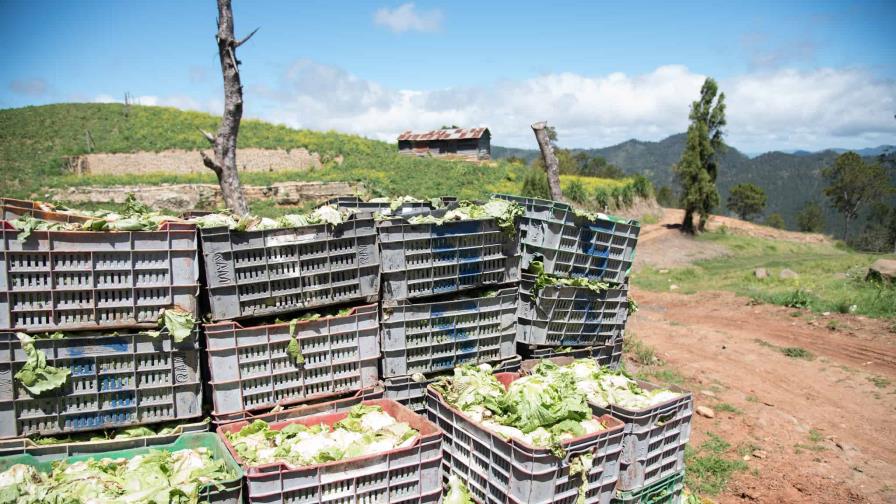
(790, 180)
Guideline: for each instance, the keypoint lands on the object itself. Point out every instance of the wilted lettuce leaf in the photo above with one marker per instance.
(175, 322)
(36, 375)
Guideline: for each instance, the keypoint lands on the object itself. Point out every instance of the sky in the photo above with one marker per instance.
(796, 75)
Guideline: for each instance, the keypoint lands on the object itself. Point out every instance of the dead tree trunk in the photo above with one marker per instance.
(550, 160)
(224, 143)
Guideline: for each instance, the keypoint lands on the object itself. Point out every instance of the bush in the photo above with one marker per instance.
(602, 197)
(575, 192)
(535, 184)
(775, 220)
(642, 186)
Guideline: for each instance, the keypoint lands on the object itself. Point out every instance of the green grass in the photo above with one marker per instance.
(711, 465)
(34, 141)
(879, 381)
(819, 288)
(792, 352)
(639, 351)
(729, 408)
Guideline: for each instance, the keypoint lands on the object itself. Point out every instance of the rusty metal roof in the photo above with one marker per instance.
(443, 134)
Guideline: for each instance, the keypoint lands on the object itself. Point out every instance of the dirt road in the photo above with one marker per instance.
(826, 425)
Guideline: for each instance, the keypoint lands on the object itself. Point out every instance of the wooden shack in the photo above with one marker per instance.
(463, 143)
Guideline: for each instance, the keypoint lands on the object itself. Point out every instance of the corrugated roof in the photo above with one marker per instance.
(443, 134)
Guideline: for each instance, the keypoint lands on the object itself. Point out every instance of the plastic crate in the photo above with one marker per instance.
(69, 280)
(668, 490)
(226, 492)
(570, 316)
(411, 392)
(571, 245)
(421, 260)
(116, 380)
(250, 370)
(329, 404)
(21, 445)
(14, 208)
(426, 337)
(607, 355)
(277, 271)
(501, 471)
(655, 438)
(409, 475)
(355, 203)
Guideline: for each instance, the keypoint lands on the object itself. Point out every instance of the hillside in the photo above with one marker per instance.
(789, 180)
(34, 140)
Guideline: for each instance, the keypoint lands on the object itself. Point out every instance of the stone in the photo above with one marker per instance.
(708, 393)
(663, 271)
(706, 411)
(673, 287)
(882, 270)
(760, 273)
(788, 274)
(760, 454)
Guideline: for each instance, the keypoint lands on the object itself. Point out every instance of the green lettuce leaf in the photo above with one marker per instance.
(36, 375)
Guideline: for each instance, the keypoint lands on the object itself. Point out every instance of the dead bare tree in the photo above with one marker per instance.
(551, 165)
(224, 143)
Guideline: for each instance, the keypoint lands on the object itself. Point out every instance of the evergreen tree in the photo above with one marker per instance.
(698, 168)
(810, 219)
(854, 184)
(746, 200)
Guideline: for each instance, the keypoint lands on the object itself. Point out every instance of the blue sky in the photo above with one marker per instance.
(797, 74)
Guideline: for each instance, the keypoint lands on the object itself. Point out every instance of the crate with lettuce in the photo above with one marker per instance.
(64, 382)
(95, 270)
(570, 312)
(657, 419)
(531, 439)
(393, 451)
(195, 468)
(573, 243)
(466, 246)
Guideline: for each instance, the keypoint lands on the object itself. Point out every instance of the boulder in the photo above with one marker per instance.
(883, 270)
(705, 411)
(788, 274)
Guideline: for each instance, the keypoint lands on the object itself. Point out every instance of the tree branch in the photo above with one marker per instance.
(208, 136)
(210, 164)
(241, 42)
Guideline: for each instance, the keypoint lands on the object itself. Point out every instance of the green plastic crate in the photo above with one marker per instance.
(230, 492)
(665, 491)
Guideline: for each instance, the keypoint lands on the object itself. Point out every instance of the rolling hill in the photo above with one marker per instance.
(789, 180)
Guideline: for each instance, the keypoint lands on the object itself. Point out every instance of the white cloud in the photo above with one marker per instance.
(784, 109)
(406, 17)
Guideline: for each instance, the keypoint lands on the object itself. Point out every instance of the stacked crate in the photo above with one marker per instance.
(448, 298)
(263, 351)
(556, 319)
(97, 293)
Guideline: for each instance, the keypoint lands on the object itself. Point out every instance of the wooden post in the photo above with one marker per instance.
(551, 164)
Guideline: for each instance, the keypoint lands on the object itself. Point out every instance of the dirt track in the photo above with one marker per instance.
(723, 345)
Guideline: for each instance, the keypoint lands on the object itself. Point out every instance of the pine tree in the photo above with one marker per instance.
(698, 168)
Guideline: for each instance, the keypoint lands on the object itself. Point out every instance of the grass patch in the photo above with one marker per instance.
(726, 407)
(797, 353)
(879, 381)
(710, 466)
(666, 376)
(815, 436)
(639, 351)
(819, 288)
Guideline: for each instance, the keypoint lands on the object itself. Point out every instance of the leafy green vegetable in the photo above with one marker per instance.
(155, 477)
(538, 410)
(504, 212)
(27, 224)
(604, 386)
(580, 466)
(175, 322)
(632, 306)
(36, 375)
(327, 214)
(543, 280)
(294, 348)
(457, 492)
(365, 430)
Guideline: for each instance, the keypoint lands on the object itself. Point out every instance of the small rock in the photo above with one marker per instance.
(708, 393)
(706, 411)
(673, 287)
(663, 271)
(760, 273)
(844, 446)
(760, 454)
(788, 274)
(825, 314)
(746, 458)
